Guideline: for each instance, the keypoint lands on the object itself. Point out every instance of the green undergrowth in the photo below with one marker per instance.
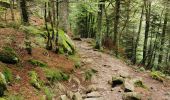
(76, 59)
(157, 75)
(8, 75)
(37, 63)
(34, 80)
(55, 75)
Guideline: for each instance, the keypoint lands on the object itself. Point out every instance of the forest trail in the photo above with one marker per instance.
(108, 66)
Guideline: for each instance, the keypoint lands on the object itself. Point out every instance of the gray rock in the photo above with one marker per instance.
(91, 88)
(117, 81)
(77, 96)
(64, 97)
(70, 94)
(128, 86)
(93, 95)
(131, 96)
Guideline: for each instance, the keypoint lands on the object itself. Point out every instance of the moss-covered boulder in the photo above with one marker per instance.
(117, 81)
(66, 45)
(131, 96)
(8, 55)
(2, 84)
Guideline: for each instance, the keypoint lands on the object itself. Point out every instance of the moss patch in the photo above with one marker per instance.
(34, 80)
(157, 75)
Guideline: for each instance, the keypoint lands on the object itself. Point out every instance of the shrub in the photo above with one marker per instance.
(37, 63)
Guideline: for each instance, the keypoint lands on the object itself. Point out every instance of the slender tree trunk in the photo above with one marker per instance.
(99, 25)
(147, 26)
(57, 25)
(138, 36)
(116, 26)
(163, 39)
(24, 13)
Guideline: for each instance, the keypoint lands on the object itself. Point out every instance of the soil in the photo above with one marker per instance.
(108, 66)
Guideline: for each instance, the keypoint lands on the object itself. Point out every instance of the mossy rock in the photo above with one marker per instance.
(131, 96)
(139, 83)
(34, 80)
(8, 55)
(66, 45)
(3, 84)
(37, 63)
(117, 81)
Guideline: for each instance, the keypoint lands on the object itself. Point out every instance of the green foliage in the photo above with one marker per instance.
(8, 74)
(15, 25)
(157, 75)
(2, 84)
(55, 75)
(8, 55)
(34, 80)
(89, 73)
(49, 94)
(37, 63)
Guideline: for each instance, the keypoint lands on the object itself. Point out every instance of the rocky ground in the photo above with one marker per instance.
(109, 67)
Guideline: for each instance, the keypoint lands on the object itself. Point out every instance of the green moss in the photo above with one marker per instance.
(139, 83)
(15, 97)
(55, 75)
(89, 73)
(2, 84)
(34, 80)
(37, 63)
(8, 74)
(157, 75)
(8, 55)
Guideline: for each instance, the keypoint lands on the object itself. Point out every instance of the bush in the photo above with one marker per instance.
(55, 75)
(37, 63)
(8, 74)
(8, 55)
(34, 80)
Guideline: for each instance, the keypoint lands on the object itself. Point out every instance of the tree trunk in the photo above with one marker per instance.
(147, 26)
(99, 25)
(116, 26)
(163, 39)
(138, 36)
(24, 13)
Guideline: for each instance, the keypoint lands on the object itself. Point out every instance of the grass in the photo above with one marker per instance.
(55, 75)
(34, 80)
(37, 63)
(157, 75)
(48, 92)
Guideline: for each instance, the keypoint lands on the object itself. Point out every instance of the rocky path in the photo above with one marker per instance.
(108, 66)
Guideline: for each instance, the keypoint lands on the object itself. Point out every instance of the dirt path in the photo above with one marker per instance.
(107, 66)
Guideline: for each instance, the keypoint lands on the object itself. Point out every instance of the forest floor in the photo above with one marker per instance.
(108, 66)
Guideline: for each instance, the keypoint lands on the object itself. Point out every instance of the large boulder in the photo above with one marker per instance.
(66, 45)
(7, 55)
(3, 84)
(128, 85)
